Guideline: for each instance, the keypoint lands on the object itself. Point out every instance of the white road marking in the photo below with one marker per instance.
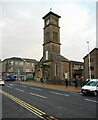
(91, 100)
(65, 94)
(36, 89)
(19, 90)
(58, 93)
(38, 95)
(9, 86)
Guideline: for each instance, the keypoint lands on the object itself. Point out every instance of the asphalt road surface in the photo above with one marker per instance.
(23, 101)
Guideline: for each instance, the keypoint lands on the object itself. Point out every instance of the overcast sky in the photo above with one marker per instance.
(21, 27)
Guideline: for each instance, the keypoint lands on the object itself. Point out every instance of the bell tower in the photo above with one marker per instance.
(51, 35)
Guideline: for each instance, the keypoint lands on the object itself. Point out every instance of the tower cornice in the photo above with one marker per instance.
(52, 25)
(51, 14)
(51, 42)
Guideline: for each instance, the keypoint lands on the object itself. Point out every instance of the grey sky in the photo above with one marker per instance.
(21, 27)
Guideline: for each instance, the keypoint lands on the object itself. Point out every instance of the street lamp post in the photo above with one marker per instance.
(89, 61)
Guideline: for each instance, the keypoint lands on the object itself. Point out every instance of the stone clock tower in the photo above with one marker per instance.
(51, 35)
(50, 67)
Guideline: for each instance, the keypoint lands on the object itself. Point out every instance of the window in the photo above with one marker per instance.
(21, 69)
(12, 62)
(16, 63)
(81, 67)
(28, 70)
(76, 67)
(91, 83)
(9, 62)
(92, 68)
(46, 55)
(27, 64)
(20, 63)
(91, 59)
(56, 70)
(11, 70)
(16, 70)
(32, 64)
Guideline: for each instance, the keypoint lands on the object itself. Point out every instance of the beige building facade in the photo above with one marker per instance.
(19, 68)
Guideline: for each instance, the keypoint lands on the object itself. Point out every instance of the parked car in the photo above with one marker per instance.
(1, 82)
(9, 79)
(90, 88)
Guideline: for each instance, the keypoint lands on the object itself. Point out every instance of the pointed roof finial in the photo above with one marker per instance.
(50, 9)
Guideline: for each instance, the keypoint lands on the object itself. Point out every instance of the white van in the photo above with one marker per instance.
(1, 82)
(90, 88)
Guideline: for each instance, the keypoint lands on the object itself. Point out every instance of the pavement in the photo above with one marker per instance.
(56, 87)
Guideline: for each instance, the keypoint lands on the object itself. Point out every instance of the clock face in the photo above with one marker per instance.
(47, 22)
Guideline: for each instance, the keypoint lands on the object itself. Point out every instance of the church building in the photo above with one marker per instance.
(53, 66)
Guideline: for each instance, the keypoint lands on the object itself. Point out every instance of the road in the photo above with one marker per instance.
(23, 101)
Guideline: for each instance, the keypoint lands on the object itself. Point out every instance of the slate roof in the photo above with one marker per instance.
(21, 59)
(58, 57)
(30, 60)
(54, 57)
(52, 14)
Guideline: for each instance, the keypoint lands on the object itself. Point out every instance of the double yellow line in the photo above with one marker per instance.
(29, 107)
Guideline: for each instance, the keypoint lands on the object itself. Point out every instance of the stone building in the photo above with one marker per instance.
(93, 64)
(52, 66)
(76, 70)
(19, 68)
